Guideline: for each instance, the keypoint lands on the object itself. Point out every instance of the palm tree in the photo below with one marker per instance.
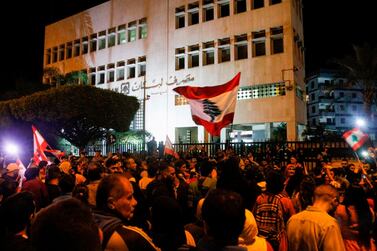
(361, 70)
(53, 73)
(58, 78)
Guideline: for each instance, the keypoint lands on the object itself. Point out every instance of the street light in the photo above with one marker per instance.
(11, 148)
(360, 122)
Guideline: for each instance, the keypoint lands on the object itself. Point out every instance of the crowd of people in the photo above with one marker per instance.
(224, 202)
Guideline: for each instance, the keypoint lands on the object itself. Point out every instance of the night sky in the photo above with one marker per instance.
(330, 26)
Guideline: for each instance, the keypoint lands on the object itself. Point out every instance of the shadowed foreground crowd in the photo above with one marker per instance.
(142, 203)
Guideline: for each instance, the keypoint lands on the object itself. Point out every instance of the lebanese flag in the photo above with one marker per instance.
(40, 146)
(355, 138)
(169, 150)
(212, 106)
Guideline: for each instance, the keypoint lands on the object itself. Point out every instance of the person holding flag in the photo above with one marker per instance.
(212, 106)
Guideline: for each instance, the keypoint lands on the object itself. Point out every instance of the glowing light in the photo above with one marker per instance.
(364, 153)
(11, 148)
(360, 122)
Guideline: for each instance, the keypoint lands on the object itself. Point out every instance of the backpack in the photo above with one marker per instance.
(269, 217)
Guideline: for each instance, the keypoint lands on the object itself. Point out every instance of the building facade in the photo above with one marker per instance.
(335, 104)
(146, 48)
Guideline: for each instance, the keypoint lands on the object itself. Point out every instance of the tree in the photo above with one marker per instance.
(58, 78)
(361, 69)
(78, 113)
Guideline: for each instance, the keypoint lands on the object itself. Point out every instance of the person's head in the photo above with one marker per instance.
(67, 183)
(52, 172)
(7, 188)
(17, 211)
(327, 197)
(293, 160)
(131, 164)
(115, 195)
(275, 182)
(224, 215)
(42, 164)
(31, 173)
(93, 171)
(65, 225)
(12, 170)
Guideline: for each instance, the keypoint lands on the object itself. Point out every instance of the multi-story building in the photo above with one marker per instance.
(334, 103)
(146, 48)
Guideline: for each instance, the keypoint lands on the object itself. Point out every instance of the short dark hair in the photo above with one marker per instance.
(31, 173)
(224, 213)
(94, 171)
(67, 183)
(42, 164)
(65, 225)
(110, 185)
(16, 211)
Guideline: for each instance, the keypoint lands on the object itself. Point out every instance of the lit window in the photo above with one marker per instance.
(239, 6)
(180, 58)
(193, 56)
(120, 70)
(111, 37)
(180, 17)
(277, 45)
(208, 53)
(110, 73)
(102, 40)
(101, 75)
(143, 31)
(193, 13)
(142, 66)
(54, 54)
(240, 47)
(259, 43)
(130, 68)
(180, 100)
(61, 52)
(68, 53)
(256, 4)
(223, 8)
(48, 56)
(84, 44)
(208, 10)
(93, 42)
(132, 31)
(76, 50)
(122, 34)
(224, 50)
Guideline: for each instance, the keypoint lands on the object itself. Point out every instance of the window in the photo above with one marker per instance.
(341, 107)
(193, 56)
(256, 4)
(54, 54)
(93, 42)
(132, 31)
(48, 56)
(240, 47)
(130, 68)
(224, 50)
(193, 13)
(100, 75)
(120, 70)
(111, 37)
(110, 73)
(342, 120)
(341, 94)
(180, 58)
(354, 95)
(314, 122)
(272, 2)
(141, 65)
(180, 17)
(354, 108)
(208, 53)
(259, 43)
(61, 52)
(261, 91)
(76, 46)
(311, 84)
(143, 28)
(277, 45)
(92, 76)
(84, 45)
(223, 8)
(68, 52)
(312, 97)
(207, 10)
(102, 40)
(122, 34)
(239, 6)
(313, 109)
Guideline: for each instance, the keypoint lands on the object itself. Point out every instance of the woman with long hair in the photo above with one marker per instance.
(356, 220)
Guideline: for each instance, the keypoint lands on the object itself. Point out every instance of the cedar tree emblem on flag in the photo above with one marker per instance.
(355, 138)
(212, 106)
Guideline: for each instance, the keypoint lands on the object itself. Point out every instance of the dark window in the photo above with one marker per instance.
(259, 43)
(180, 17)
(193, 14)
(277, 45)
(224, 50)
(208, 10)
(272, 2)
(223, 8)
(239, 6)
(256, 4)
(180, 58)
(240, 47)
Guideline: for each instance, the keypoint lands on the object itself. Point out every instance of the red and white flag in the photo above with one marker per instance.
(355, 138)
(40, 146)
(169, 150)
(212, 106)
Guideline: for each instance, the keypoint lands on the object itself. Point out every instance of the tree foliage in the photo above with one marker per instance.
(77, 113)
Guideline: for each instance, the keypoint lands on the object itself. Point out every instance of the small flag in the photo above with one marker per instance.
(169, 150)
(355, 138)
(212, 106)
(41, 146)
